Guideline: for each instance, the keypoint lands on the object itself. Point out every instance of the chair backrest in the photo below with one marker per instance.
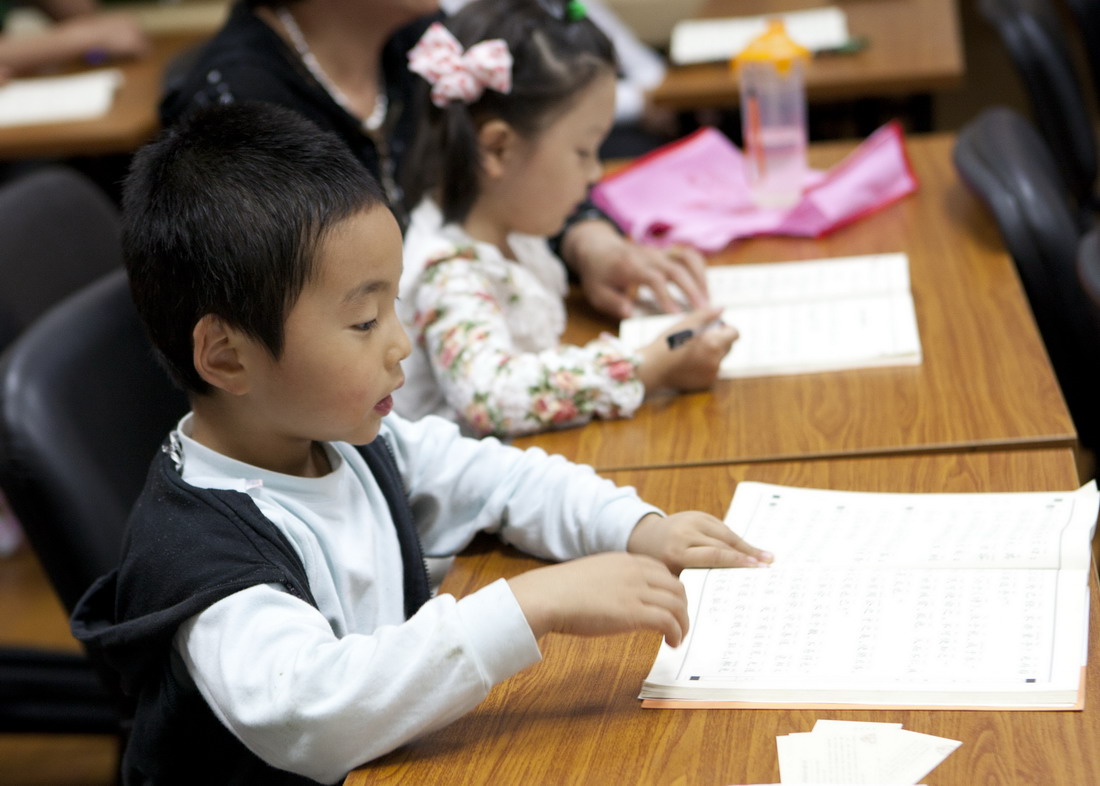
(58, 233)
(1088, 271)
(1007, 164)
(1087, 15)
(1035, 40)
(84, 406)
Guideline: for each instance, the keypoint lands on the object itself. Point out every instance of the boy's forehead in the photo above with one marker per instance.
(360, 254)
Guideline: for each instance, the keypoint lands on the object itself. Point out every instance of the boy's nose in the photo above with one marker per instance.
(401, 347)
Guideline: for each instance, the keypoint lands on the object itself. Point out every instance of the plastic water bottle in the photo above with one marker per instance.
(773, 115)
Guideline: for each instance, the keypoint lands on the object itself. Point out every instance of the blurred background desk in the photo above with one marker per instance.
(913, 47)
(575, 718)
(986, 380)
(131, 121)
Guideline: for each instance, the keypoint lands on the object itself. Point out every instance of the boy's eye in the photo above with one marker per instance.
(366, 326)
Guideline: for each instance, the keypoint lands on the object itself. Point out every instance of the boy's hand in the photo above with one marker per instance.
(601, 595)
(693, 540)
(695, 364)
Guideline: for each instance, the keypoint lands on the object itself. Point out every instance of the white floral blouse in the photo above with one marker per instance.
(486, 332)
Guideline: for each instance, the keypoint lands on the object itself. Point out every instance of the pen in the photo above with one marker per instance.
(681, 337)
(95, 57)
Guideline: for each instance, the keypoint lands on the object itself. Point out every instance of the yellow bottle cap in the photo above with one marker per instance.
(774, 45)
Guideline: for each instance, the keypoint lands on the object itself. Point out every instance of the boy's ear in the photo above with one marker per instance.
(218, 355)
(496, 141)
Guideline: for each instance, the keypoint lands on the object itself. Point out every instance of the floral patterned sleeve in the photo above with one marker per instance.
(494, 386)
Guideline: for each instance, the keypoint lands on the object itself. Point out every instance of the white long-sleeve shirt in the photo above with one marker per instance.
(320, 691)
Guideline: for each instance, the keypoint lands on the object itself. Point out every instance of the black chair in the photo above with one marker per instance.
(58, 233)
(1088, 271)
(1086, 14)
(1007, 164)
(1036, 42)
(84, 407)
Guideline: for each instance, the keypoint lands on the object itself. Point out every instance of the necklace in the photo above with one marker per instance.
(372, 125)
(381, 103)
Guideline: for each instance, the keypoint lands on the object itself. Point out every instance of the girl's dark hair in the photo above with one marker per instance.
(223, 214)
(553, 59)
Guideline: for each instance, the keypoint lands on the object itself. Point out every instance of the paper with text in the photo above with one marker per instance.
(896, 599)
(860, 752)
(805, 317)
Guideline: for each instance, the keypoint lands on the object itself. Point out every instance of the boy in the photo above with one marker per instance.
(271, 615)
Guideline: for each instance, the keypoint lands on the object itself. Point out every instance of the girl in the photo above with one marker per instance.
(521, 96)
(342, 64)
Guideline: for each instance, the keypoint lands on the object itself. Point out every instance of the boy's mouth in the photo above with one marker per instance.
(384, 406)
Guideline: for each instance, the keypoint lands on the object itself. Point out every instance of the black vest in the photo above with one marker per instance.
(187, 548)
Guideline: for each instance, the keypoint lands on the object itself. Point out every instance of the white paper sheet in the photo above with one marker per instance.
(807, 317)
(711, 40)
(58, 99)
(891, 599)
(849, 752)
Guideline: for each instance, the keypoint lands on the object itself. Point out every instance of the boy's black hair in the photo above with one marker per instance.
(554, 57)
(223, 215)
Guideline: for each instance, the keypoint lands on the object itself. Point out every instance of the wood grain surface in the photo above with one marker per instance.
(574, 718)
(913, 46)
(986, 380)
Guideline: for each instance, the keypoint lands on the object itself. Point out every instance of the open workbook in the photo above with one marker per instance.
(803, 317)
(905, 600)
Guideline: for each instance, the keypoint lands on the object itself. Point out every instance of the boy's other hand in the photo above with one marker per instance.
(693, 540)
(602, 595)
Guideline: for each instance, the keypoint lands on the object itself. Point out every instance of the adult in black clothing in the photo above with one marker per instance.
(342, 63)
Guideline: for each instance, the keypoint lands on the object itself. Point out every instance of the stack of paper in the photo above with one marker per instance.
(711, 40)
(58, 99)
(915, 600)
(856, 752)
(803, 317)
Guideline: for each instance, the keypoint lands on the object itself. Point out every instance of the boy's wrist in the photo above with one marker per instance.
(646, 537)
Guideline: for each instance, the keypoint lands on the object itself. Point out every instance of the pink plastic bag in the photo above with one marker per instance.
(694, 192)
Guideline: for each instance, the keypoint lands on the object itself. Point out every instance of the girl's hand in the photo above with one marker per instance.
(694, 364)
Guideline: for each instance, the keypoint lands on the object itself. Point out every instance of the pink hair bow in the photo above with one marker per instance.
(456, 75)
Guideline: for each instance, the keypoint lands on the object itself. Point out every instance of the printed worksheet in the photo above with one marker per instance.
(807, 317)
(896, 599)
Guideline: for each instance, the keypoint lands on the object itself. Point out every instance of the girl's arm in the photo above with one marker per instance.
(496, 388)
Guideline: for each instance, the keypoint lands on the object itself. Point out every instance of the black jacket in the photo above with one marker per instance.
(187, 548)
(248, 61)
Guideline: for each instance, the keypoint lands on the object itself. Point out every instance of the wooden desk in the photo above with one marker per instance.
(915, 46)
(575, 718)
(130, 123)
(985, 382)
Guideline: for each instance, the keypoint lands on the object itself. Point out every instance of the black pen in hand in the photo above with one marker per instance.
(681, 337)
